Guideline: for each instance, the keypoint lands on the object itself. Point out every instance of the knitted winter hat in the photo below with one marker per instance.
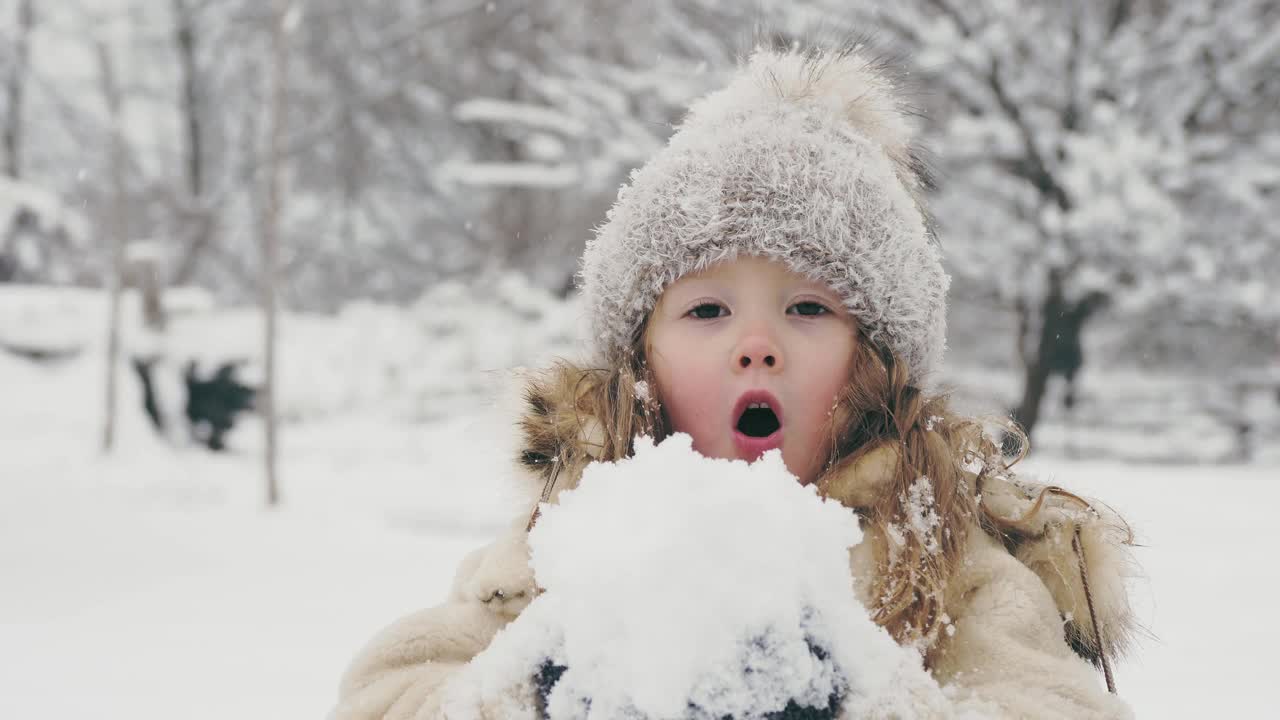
(806, 158)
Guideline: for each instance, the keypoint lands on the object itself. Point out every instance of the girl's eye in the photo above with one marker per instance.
(708, 311)
(808, 308)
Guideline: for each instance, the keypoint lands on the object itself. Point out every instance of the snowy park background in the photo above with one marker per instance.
(422, 176)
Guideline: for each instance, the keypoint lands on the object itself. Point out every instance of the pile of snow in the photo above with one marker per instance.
(444, 355)
(469, 336)
(56, 317)
(708, 589)
(46, 209)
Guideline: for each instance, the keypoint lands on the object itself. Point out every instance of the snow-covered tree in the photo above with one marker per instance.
(447, 138)
(1116, 154)
(1110, 157)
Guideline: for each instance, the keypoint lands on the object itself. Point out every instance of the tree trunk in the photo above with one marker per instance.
(17, 83)
(271, 241)
(185, 39)
(116, 237)
(1036, 365)
(1035, 382)
(198, 215)
(1059, 348)
(146, 276)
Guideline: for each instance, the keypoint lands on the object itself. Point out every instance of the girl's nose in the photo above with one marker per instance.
(758, 351)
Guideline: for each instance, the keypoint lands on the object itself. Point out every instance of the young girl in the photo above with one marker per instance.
(771, 280)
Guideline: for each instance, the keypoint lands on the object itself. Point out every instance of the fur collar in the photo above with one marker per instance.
(1046, 528)
(1068, 541)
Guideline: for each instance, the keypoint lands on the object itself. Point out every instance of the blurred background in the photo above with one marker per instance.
(265, 266)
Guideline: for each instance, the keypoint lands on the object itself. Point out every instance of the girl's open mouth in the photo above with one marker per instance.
(757, 424)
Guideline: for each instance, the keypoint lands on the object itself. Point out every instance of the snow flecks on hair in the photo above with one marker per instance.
(922, 516)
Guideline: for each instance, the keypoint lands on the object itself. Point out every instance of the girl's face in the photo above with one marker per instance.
(745, 332)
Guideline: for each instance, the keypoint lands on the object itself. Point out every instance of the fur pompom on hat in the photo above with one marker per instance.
(807, 158)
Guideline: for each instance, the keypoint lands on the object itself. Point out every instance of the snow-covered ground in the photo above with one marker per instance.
(153, 583)
(1207, 536)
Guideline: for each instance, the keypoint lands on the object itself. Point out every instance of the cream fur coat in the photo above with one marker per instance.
(1022, 628)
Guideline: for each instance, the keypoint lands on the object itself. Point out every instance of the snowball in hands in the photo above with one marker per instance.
(678, 586)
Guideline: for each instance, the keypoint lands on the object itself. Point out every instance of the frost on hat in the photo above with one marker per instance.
(806, 158)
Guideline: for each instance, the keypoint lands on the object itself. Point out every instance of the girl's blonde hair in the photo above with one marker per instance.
(925, 509)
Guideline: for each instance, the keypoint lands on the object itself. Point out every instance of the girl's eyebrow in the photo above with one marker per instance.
(676, 296)
(817, 288)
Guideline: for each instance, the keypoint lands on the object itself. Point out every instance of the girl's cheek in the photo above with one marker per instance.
(689, 379)
(689, 411)
(693, 412)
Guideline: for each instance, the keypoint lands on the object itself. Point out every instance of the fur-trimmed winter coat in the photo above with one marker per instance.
(1021, 643)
